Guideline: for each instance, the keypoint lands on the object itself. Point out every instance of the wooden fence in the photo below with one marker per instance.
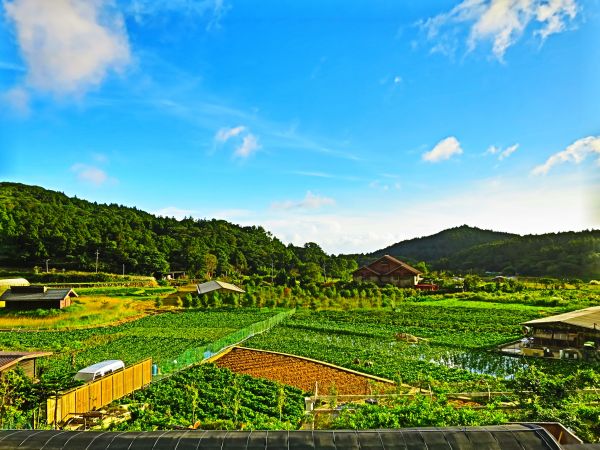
(99, 393)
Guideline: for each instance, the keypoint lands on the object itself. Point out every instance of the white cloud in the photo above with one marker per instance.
(444, 149)
(490, 204)
(576, 153)
(502, 22)
(397, 79)
(18, 100)
(214, 10)
(68, 45)
(90, 174)
(249, 145)
(174, 211)
(224, 134)
(249, 142)
(502, 154)
(310, 201)
(508, 151)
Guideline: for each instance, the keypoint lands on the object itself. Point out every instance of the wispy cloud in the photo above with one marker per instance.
(212, 10)
(327, 175)
(443, 150)
(224, 134)
(249, 146)
(11, 66)
(69, 45)
(91, 174)
(502, 154)
(174, 211)
(18, 100)
(576, 153)
(385, 186)
(502, 22)
(310, 201)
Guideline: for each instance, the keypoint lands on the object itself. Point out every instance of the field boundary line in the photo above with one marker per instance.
(333, 366)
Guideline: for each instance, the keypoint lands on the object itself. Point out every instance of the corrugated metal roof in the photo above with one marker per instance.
(48, 294)
(584, 318)
(211, 286)
(509, 437)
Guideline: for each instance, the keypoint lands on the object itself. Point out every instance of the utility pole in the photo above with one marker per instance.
(97, 253)
(123, 269)
(271, 271)
(47, 265)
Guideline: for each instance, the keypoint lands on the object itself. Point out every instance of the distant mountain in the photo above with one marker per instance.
(464, 248)
(443, 244)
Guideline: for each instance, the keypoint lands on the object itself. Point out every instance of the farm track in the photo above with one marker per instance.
(301, 372)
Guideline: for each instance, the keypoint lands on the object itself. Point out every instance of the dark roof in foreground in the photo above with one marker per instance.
(510, 437)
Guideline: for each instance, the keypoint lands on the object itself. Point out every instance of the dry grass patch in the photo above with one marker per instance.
(84, 311)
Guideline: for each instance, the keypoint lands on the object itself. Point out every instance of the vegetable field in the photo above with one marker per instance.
(453, 354)
(210, 397)
(163, 337)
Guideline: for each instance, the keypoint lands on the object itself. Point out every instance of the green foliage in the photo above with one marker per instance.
(36, 224)
(464, 248)
(421, 411)
(163, 337)
(218, 398)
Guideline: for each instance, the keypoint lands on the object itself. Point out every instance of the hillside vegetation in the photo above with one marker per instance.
(464, 249)
(37, 224)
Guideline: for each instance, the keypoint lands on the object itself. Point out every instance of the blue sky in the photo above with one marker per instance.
(350, 124)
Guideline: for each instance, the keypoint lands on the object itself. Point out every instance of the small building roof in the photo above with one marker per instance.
(393, 260)
(10, 359)
(213, 285)
(583, 318)
(36, 293)
(14, 282)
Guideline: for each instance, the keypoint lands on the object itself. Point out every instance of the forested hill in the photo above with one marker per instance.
(38, 224)
(464, 248)
(443, 244)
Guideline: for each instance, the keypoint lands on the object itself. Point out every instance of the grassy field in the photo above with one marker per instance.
(93, 307)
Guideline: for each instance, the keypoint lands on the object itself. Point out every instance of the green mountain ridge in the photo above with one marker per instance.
(470, 249)
(38, 224)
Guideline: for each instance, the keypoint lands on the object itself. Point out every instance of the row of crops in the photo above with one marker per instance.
(209, 397)
(163, 337)
(454, 355)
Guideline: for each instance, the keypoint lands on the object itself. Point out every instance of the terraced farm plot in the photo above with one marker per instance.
(300, 372)
(457, 355)
(163, 337)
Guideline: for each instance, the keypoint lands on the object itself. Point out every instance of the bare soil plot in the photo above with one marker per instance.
(301, 372)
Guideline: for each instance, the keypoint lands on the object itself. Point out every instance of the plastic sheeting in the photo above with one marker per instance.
(509, 437)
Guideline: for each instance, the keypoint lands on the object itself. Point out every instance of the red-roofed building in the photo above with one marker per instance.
(389, 270)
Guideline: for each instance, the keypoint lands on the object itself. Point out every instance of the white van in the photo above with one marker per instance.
(98, 370)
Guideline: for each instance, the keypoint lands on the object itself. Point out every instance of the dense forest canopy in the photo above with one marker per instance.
(38, 224)
(468, 249)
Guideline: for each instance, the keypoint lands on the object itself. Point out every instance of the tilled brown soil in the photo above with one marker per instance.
(299, 372)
